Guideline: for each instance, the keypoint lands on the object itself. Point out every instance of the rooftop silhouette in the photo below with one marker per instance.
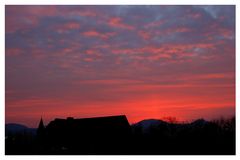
(113, 135)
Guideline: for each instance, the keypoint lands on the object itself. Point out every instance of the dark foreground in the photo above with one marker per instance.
(114, 136)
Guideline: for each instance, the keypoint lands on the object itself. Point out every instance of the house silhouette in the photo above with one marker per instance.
(98, 135)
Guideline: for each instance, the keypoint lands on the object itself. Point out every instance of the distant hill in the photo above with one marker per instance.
(94, 136)
(18, 128)
(146, 125)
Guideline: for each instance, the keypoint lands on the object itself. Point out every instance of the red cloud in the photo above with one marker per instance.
(26, 17)
(144, 34)
(65, 27)
(88, 59)
(108, 82)
(85, 13)
(117, 22)
(71, 25)
(154, 53)
(155, 24)
(13, 51)
(195, 15)
(213, 76)
(226, 33)
(92, 52)
(93, 33)
(182, 29)
(31, 102)
(170, 31)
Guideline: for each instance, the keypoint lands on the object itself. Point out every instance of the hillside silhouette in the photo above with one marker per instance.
(113, 135)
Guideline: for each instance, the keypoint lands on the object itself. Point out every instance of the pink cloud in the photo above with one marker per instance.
(226, 33)
(182, 29)
(170, 31)
(13, 51)
(154, 53)
(88, 59)
(93, 33)
(195, 15)
(155, 24)
(144, 34)
(65, 27)
(108, 82)
(212, 76)
(26, 17)
(85, 13)
(92, 52)
(117, 22)
(30, 102)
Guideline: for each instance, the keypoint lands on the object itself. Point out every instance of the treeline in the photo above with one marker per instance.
(156, 138)
(197, 138)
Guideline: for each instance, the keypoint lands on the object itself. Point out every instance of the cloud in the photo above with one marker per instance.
(61, 28)
(26, 17)
(145, 35)
(93, 33)
(101, 60)
(117, 22)
(13, 51)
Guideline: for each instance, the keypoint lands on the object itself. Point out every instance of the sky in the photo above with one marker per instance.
(141, 61)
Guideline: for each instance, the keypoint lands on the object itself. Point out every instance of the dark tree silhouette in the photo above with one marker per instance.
(114, 136)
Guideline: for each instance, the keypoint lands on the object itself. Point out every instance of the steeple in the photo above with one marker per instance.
(41, 127)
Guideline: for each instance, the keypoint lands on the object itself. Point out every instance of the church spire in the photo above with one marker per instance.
(41, 127)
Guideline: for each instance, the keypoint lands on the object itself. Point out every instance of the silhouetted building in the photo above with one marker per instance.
(41, 128)
(114, 136)
(89, 135)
